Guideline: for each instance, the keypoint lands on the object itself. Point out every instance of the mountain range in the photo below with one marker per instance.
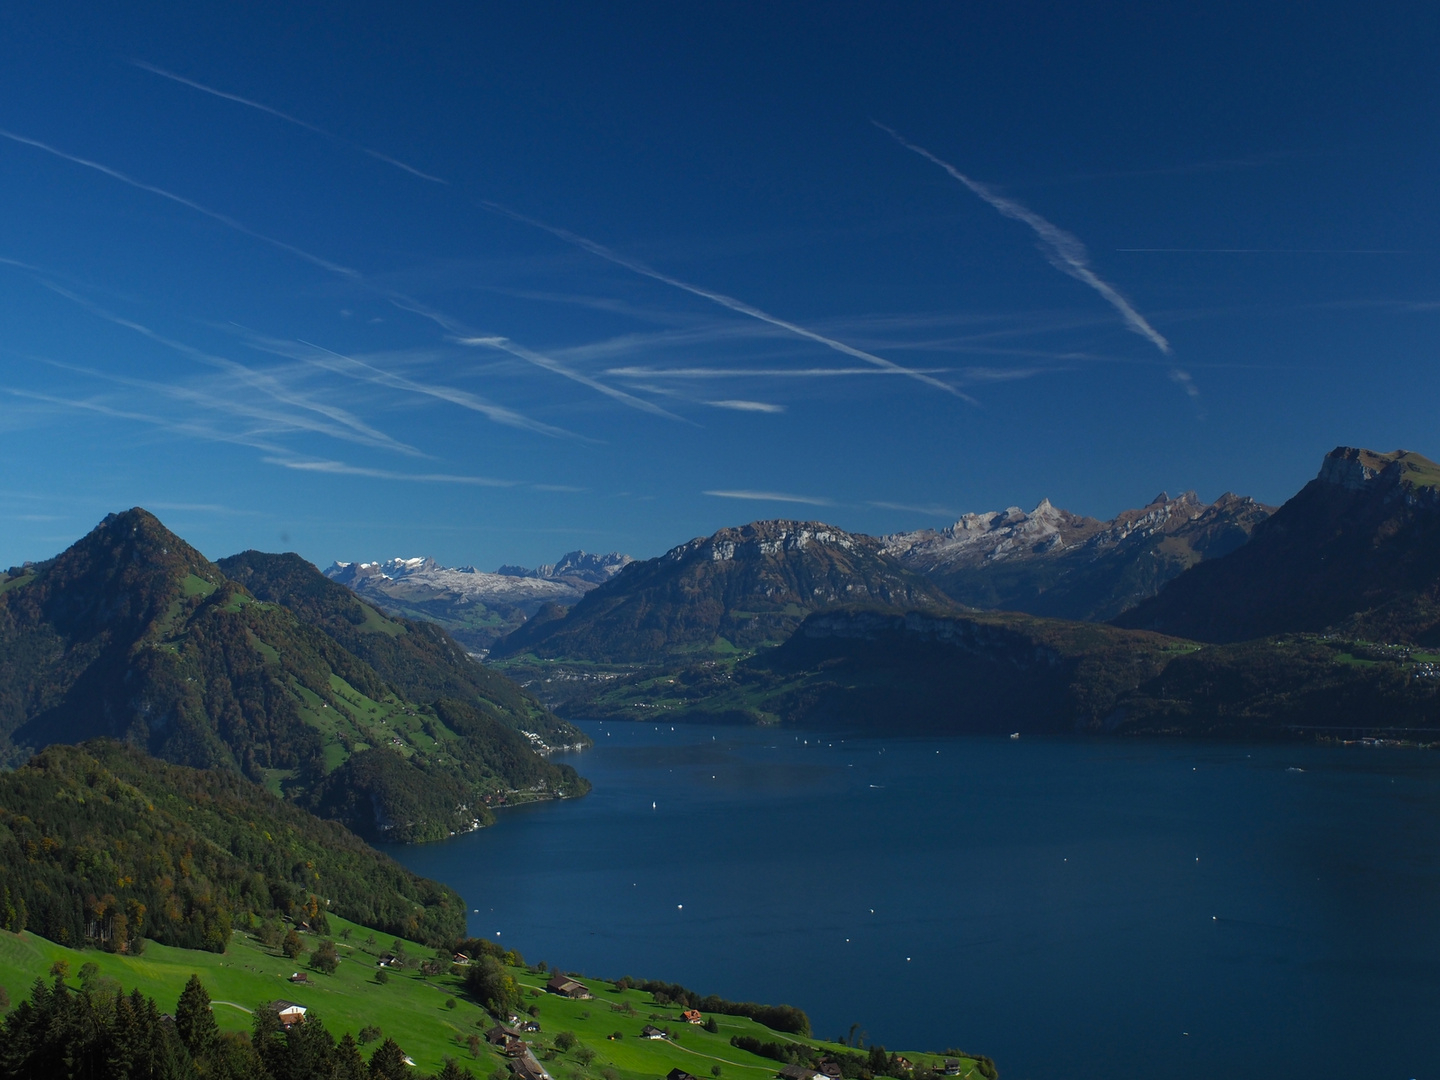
(475, 607)
(263, 666)
(1355, 552)
(1053, 562)
(1318, 616)
(738, 589)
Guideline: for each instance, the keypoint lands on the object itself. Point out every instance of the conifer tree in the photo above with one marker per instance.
(194, 1021)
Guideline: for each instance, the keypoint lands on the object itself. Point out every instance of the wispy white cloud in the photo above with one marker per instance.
(729, 302)
(376, 154)
(354, 368)
(462, 333)
(748, 373)
(340, 468)
(343, 424)
(176, 427)
(747, 406)
(772, 496)
(929, 511)
(1064, 251)
(540, 360)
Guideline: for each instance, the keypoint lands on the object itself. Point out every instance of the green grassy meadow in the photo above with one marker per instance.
(412, 1008)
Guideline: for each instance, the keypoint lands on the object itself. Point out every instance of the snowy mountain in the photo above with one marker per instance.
(476, 607)
(1052, 562)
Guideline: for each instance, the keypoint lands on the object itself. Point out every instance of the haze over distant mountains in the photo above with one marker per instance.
(474, 606)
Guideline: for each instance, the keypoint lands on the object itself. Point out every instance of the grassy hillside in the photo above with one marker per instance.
(413, 1008)
(417, 658)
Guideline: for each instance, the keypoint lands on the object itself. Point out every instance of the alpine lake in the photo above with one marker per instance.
(1070, 907)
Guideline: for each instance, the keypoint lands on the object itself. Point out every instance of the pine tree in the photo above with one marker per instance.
(194, 1022)
(388, 1061)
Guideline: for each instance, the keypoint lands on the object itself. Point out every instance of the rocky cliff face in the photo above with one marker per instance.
(1357, 549)
(1052, 562)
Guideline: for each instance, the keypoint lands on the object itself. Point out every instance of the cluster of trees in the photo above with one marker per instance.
(99, 1032)
(102, 845)
(786, 1018)
(874, 1062)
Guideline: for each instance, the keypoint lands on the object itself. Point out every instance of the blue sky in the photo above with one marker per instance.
(493, 282)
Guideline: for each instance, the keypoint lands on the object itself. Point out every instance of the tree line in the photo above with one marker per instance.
(99, 1032)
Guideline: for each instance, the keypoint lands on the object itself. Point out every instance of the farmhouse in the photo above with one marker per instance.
(650, 1031)
(691, 1016)
(796, 1072)
(300, 977)
(526, 1067)
(831, 1068)
(680, 1074)
(499, 1035)
(289, 1012)
(567, 987)
(952, 1067)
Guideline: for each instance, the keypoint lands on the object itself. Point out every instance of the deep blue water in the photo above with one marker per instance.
(1057, 904)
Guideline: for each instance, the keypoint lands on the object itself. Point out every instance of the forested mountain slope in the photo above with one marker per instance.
(133, 634)
(103, 845)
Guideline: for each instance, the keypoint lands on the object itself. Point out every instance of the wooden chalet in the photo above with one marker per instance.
(499, 1035)
(300, 977)
(795, 1072)
(952, 1067)
(650, 1031)
(831, 1068)
(568, 987)
(692, 1016)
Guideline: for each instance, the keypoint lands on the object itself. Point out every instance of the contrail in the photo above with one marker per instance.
(463, 398)
(530, 356)
(400, 300)
(1065, 252)
(142, 65)
(738, 306)
(238, 226)
(349, 426)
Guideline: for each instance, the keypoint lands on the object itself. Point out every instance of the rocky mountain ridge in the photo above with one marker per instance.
(1356, 551)
(736, 589)
(1055, 563)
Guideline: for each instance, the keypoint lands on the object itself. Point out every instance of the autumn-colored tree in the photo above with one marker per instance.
(293, 945)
